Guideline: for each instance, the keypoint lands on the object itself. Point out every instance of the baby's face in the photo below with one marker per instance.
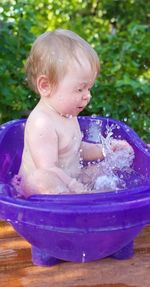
(73, 92)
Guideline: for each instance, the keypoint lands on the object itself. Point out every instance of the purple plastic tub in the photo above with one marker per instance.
(78, 228)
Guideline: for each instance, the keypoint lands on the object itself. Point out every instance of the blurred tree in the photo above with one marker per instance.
(118, 30)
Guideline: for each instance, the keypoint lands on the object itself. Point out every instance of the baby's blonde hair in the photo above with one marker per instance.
(53, 52)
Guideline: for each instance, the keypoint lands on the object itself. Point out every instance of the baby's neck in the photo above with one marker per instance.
(50, 107)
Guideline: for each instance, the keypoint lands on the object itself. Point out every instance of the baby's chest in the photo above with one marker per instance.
(69, 138)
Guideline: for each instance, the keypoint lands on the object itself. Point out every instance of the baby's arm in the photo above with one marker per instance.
(91, 151)
(43, 143)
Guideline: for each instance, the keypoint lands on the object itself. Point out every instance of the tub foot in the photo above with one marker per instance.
(42, 257)
(125, 252)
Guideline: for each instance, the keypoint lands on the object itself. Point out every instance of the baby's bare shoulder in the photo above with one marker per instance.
(39, 123)
(39, 120)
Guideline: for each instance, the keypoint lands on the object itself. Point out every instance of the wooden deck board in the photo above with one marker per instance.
(17, 270)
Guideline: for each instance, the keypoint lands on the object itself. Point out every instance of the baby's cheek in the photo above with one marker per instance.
(76, 99)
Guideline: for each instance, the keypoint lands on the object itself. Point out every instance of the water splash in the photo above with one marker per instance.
(110, 172)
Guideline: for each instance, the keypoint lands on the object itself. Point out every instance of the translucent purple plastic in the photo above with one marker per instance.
(82, 227)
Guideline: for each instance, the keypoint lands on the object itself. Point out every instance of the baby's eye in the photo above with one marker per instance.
(80, 90)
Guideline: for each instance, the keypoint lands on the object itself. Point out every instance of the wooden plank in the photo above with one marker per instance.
(14, 250)
(6, 230)
(17, 270)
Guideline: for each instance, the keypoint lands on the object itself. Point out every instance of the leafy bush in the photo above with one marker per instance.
(118, 30)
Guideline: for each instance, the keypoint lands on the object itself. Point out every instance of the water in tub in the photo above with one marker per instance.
(115, 172)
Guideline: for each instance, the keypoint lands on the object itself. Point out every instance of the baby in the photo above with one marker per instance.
(61, 68)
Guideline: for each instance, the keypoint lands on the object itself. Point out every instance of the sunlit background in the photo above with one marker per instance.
(118, 30)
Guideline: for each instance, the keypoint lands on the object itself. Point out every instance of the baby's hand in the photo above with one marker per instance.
(77, 187)
(118, 145)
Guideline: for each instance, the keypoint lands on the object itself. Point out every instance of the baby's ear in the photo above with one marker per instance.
(43, 86)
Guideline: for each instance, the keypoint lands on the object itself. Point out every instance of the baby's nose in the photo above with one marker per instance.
(87, 96)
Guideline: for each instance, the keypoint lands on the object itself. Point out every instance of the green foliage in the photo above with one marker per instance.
(118, 30)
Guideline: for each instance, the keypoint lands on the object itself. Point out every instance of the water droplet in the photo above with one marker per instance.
(98, 122)
(93, 116)
(83, 257)
(146, 149)
(8, 220)
(68, 116)
(20, 215)
(82, 135)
